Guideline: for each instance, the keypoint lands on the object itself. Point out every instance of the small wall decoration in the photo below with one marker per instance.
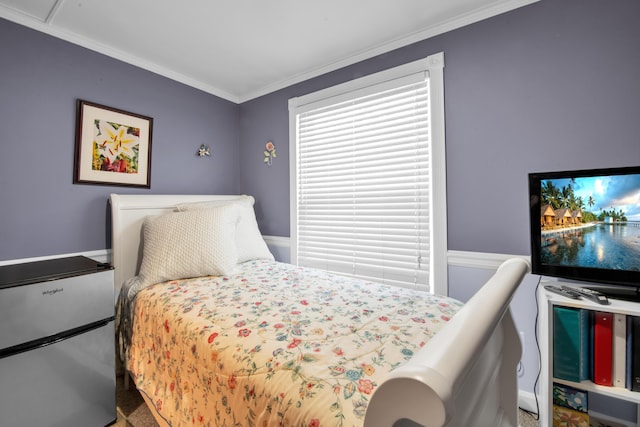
(113, 147)
(203, 151)
(269, 153)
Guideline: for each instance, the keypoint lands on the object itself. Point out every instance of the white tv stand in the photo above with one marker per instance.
(546, 301)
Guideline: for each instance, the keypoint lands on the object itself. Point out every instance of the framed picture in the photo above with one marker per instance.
(113, 147)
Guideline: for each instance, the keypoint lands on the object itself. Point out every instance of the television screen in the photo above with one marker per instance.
(585, 225)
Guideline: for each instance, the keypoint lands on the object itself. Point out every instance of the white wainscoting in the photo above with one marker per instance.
(280, 247)
(483, 260)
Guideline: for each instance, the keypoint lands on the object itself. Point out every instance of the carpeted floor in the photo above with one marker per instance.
(132, 411)
(526, 419)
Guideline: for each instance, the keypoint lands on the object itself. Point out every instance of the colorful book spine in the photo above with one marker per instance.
(570, 407)
(603, 348)
(565, 417)
(635, 351)
(570, 343)
(619, 349)
(570, 397)
(629, 367)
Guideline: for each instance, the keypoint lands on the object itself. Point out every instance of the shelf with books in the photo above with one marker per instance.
(587, 347)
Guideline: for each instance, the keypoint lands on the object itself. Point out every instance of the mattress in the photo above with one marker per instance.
(274, 344)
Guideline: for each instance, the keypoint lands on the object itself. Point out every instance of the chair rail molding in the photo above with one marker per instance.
(485, 260)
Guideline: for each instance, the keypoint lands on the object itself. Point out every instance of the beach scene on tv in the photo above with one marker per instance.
(591, 222)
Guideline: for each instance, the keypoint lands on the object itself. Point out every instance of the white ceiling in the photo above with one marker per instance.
(242, 49)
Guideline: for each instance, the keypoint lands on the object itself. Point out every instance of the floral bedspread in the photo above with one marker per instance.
(275, 345)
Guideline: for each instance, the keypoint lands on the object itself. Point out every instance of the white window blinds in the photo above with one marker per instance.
(362, 173)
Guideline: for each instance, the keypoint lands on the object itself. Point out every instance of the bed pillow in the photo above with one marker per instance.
(189, 244)
(249, 242)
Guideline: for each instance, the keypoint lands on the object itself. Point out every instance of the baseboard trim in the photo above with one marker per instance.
(528, 402)
(279, 241)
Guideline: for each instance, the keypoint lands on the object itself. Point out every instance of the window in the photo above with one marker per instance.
(368, 177)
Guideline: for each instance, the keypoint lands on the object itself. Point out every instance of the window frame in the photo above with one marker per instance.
(434, 66)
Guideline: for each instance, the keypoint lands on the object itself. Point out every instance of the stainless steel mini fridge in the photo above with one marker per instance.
(57, 344)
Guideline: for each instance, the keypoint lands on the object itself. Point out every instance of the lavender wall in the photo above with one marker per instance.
(549, 86)
(41, 211)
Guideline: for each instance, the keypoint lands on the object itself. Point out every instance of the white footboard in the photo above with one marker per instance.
(466, 375)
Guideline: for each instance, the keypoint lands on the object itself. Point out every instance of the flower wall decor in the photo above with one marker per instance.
(203, 151)
(113, 147)
(269, 153)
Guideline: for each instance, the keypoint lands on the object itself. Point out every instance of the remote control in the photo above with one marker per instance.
(594, 296)
(567, 292)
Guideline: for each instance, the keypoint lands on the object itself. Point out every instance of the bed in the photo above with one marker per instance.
(249, 341)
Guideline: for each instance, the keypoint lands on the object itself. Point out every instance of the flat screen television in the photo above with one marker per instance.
(585, 227)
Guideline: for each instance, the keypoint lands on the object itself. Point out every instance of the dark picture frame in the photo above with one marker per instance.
(113, 146)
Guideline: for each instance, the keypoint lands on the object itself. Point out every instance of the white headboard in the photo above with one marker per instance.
(127, 214)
